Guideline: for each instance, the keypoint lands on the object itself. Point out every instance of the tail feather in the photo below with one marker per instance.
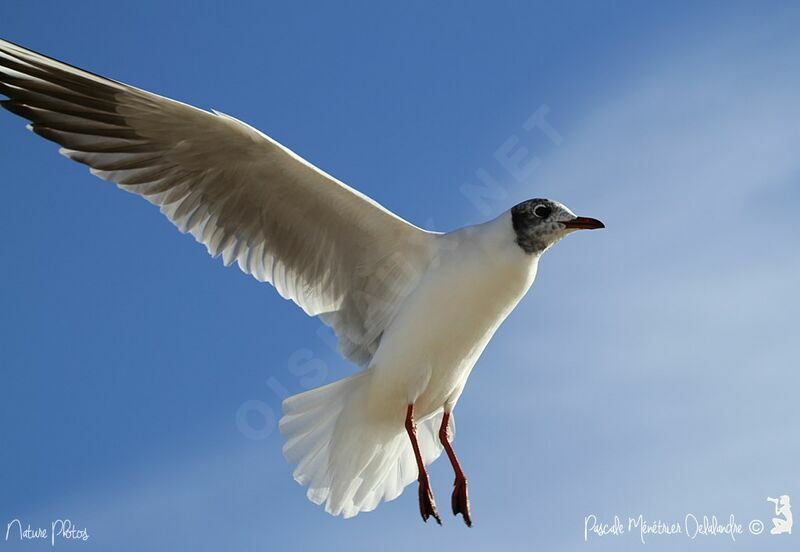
(347, 462)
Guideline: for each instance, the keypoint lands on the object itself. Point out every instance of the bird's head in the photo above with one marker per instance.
(540, 223)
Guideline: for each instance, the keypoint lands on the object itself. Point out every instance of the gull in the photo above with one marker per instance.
(414, 309)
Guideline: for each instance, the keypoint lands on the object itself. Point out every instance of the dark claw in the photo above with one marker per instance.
(461, 500)
(427, 506)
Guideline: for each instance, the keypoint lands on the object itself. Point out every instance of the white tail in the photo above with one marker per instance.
(346, 461)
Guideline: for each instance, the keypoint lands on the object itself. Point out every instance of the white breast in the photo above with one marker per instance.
(428, 351)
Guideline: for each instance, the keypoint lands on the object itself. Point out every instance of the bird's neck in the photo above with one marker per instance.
(499, 235)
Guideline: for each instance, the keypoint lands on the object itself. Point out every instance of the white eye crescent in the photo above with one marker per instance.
(542, 211)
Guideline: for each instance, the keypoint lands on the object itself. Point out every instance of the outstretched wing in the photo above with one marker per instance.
(327, 247)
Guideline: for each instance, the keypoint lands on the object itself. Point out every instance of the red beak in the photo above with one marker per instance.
(583, 223)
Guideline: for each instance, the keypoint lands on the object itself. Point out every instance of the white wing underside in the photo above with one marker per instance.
(330, 249)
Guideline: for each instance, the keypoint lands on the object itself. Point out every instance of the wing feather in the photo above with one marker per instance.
(327, 247)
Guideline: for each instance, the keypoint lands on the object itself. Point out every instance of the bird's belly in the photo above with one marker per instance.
(438, 335)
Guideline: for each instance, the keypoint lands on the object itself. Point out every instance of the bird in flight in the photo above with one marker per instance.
(413, 309)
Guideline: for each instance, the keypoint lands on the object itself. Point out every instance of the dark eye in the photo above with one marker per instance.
(542, 211)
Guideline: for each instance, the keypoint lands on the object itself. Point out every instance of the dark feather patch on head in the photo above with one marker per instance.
(529, 226)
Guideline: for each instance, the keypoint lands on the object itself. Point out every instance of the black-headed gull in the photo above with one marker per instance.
(413, 308)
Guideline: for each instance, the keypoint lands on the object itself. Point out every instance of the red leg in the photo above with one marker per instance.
(460, 499)
(427, 506)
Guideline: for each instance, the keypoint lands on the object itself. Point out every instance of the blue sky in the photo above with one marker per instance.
(652, 369)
